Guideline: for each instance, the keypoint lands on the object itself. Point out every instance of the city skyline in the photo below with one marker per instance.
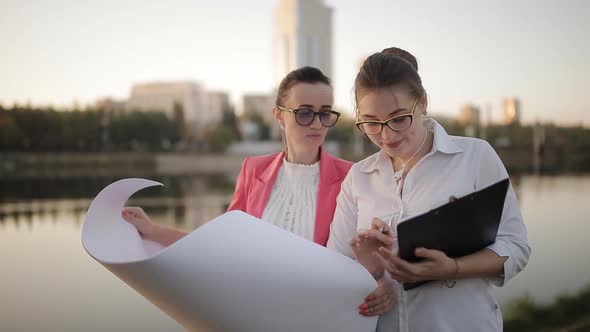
(467, 52)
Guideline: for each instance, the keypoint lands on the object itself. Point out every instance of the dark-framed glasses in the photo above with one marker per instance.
(305, 116)
(397, 123)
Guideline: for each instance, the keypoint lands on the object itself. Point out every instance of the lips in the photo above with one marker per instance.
(314, 135)
(394, 145)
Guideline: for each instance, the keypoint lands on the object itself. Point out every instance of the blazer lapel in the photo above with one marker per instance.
(329, 186)
(262, 186)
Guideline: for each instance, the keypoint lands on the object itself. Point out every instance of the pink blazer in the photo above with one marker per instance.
(259, 173)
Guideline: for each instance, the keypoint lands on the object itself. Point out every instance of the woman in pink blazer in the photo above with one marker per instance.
(295, 189)
(258, 174)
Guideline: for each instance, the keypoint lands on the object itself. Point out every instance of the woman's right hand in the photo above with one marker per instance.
(367, 242)
(379, 301)
(138, 218)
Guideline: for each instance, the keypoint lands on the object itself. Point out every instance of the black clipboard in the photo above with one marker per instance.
(461, 227)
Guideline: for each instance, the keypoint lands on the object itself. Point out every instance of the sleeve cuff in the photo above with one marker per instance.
(501, 251)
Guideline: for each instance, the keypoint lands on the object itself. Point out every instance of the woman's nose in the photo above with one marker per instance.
(387, 134)
(316, 123)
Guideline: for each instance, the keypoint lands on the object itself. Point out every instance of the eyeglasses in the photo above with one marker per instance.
(397, 123)
(305, 116)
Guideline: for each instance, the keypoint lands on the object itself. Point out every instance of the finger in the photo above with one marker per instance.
(362, 232)
(385, 262)
(133, 211)
(379, 224)
(382, 307)
(132, 219)
(399, 269)
(377, 300)
(429, 253)
(128, 214)
(385, 307)
(401, 264)
(380, 291)
(138, 218)
(358, 240)
(126, 211)
(379, 309)
(408, 271)
(386, 239)
(396, 274)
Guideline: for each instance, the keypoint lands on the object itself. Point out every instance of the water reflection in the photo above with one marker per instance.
(49, 283)
(184, 202)
(555, 210)
(27, 189)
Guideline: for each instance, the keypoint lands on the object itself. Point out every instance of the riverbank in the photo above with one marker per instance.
(566, 313)
(126, 164)
(32, 165)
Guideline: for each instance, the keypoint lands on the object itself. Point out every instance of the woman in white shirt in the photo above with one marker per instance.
(417, 169)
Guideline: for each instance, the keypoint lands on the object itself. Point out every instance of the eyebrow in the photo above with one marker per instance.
(369, 116)
(311, 106)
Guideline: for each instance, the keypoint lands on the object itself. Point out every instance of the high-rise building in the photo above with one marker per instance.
(260, 104)
(470, 115)
(512, 111)
(200, 107)
(162, 96)
(111, 106)
(470, 118)
(217, 103)
(302, 36)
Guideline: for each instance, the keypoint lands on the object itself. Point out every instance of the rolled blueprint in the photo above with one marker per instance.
(235, 273)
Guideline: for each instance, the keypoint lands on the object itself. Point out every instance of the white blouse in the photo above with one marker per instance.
(293, 199)
(455, 166)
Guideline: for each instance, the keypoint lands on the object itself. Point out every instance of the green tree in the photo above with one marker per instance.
(10, 134)
(263, 127)
(180, 120)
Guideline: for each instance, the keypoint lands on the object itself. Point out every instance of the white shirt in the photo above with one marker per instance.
(293, 199)
(456, 166)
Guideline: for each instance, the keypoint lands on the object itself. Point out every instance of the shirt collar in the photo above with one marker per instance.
(442, 142)
(381, 160)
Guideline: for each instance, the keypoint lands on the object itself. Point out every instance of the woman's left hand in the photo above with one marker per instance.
(379, 301)
(435, 266)
(366, 243)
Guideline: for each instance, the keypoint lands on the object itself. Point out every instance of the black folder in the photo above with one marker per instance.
(461, 227)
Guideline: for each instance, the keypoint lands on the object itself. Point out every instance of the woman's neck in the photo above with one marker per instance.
(304, 157)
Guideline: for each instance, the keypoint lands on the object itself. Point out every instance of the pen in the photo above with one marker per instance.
(385, 228)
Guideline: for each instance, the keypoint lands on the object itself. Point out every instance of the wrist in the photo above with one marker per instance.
(457, 269)
(150, 230)
(453, 270)
(451, 280)
(378, 274)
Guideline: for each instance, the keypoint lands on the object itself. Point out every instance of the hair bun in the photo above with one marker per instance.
(395, 51)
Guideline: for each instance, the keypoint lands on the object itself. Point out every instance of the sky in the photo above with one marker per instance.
(61, 51)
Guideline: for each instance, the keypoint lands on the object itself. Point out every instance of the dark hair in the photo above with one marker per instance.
(396, 51)
(304, 75)
(392, 66)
